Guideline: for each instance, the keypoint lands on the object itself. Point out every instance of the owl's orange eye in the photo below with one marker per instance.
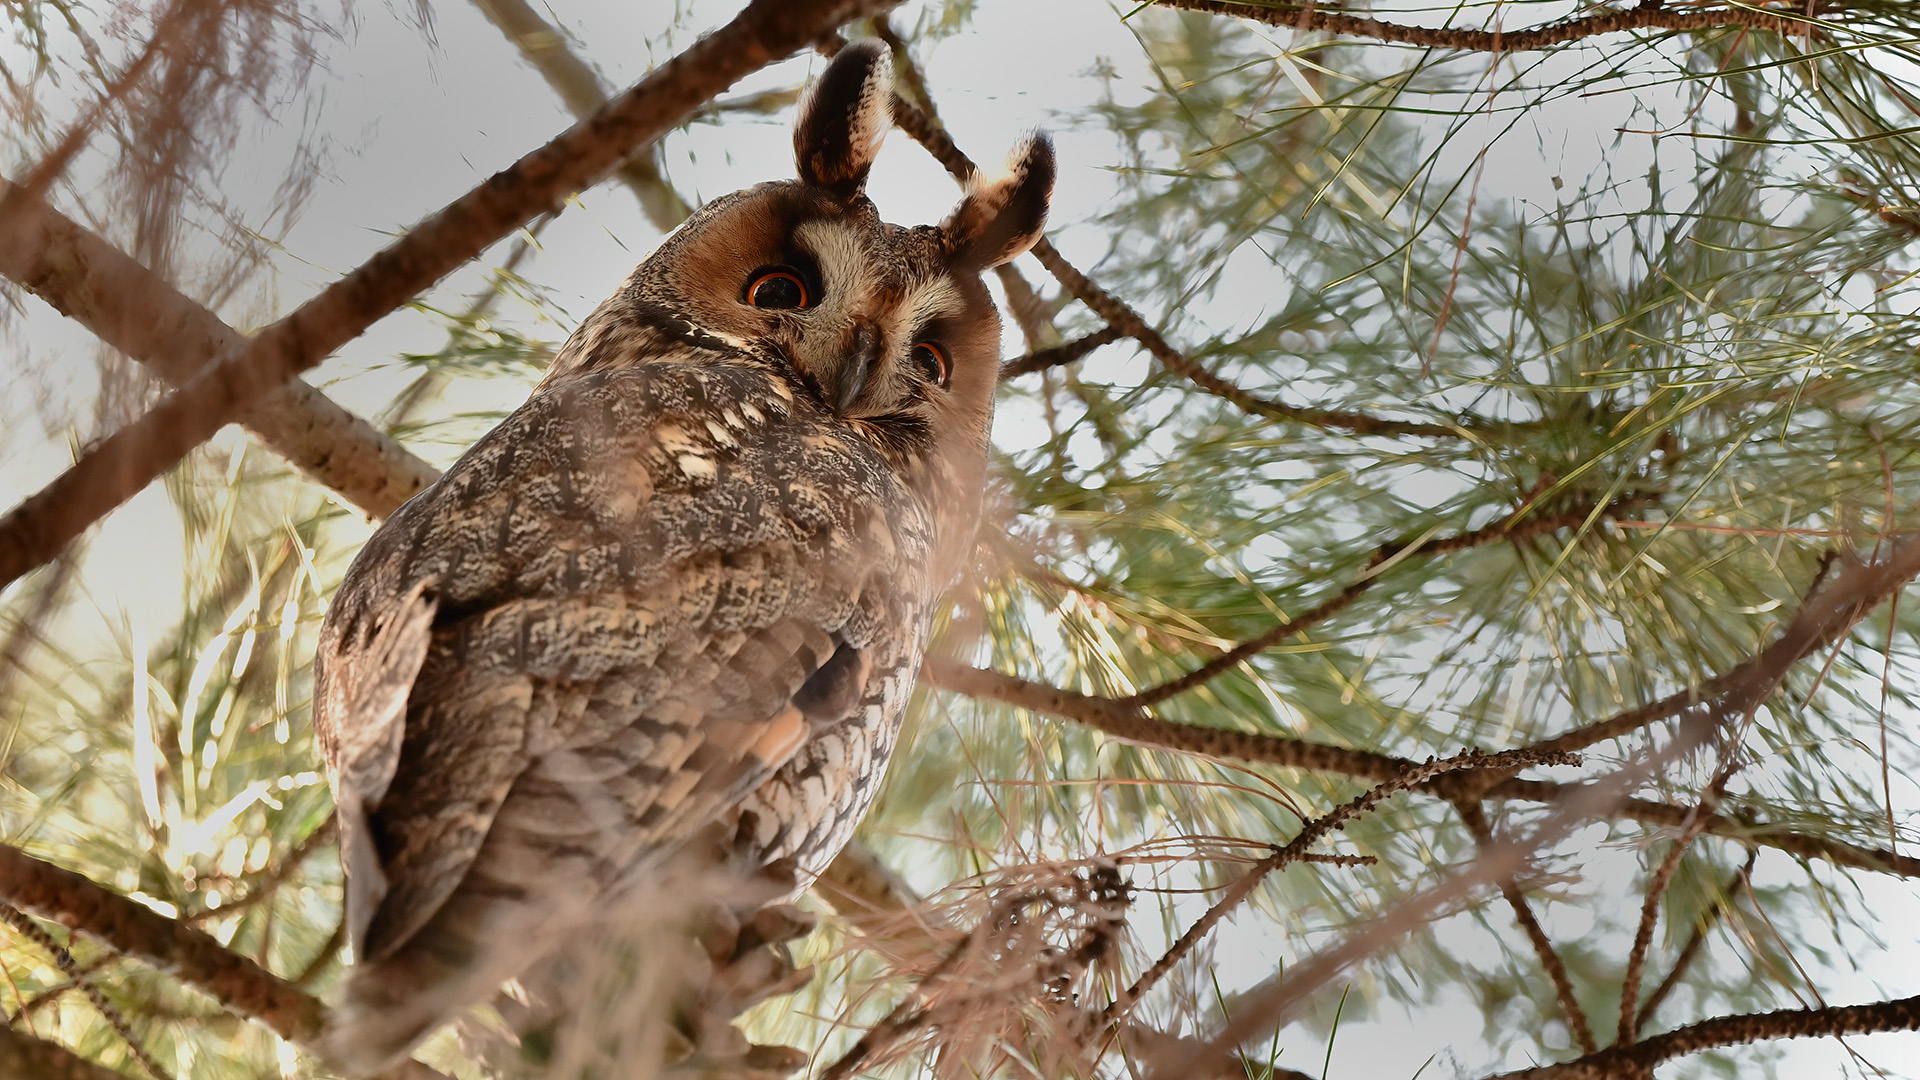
(777, 289)
(934, 359)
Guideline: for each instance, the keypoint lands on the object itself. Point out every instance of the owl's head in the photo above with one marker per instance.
(888, 329)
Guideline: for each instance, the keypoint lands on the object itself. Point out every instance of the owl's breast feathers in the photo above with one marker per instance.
(624, 609)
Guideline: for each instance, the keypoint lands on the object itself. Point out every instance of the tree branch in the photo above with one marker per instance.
(1296, 850)
(133, 309)
(1827, 614)
(1067, 353)
(1902, 1014)
(127, 461)
(23, 1057)
(62, 959)
(1646, 15)
(1695, 941)
(193, 957)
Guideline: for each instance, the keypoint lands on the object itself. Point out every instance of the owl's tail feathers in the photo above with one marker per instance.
(391, 1003)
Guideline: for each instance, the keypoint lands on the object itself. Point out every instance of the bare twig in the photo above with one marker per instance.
(1695, 941)
(1902, 1014)
(1629, 1028)
(1645, 15)
(1273, 1003)
(128, 460)
(1067, 353)
(27, 928)
(1505, 530)
(1475, 818)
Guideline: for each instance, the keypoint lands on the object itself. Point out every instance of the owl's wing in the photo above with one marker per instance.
(645, 595)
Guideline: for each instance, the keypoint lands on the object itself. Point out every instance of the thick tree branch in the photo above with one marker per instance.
(1645, 15)
(23, 1057)
(193, 957)
(134, 310)
(1902, 1014)
(127, 461)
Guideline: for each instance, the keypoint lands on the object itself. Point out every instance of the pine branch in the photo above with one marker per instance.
(1629, 1028)
(190, 955)
(1059, 355)
(1295, 850)
(127, 461)
(133, 309)
(1830, 610)
(1513, 528)
(1646, 15)
(1274, 1003)
(62, 959)
(23, 1057)
(1901, 1014)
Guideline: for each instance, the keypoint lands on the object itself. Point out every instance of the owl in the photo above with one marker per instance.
(684, 587)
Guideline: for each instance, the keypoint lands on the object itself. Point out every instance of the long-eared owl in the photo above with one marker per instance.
(685, 586)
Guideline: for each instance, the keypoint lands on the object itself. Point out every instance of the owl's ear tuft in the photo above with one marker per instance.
(1001, 218)
(844, 117)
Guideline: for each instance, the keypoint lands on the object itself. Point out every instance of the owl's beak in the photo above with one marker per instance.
(850, 377)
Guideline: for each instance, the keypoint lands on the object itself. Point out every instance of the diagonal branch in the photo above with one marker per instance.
(1296, 849)
(133, 309)
(27, 928)
(127, 461)
(194, 957)
(23, 1057)
(1059, 355)
(1696, 940)
(1646, 15)
(1826, 616)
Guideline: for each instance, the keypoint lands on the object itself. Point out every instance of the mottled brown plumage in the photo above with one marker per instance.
(685, 586)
